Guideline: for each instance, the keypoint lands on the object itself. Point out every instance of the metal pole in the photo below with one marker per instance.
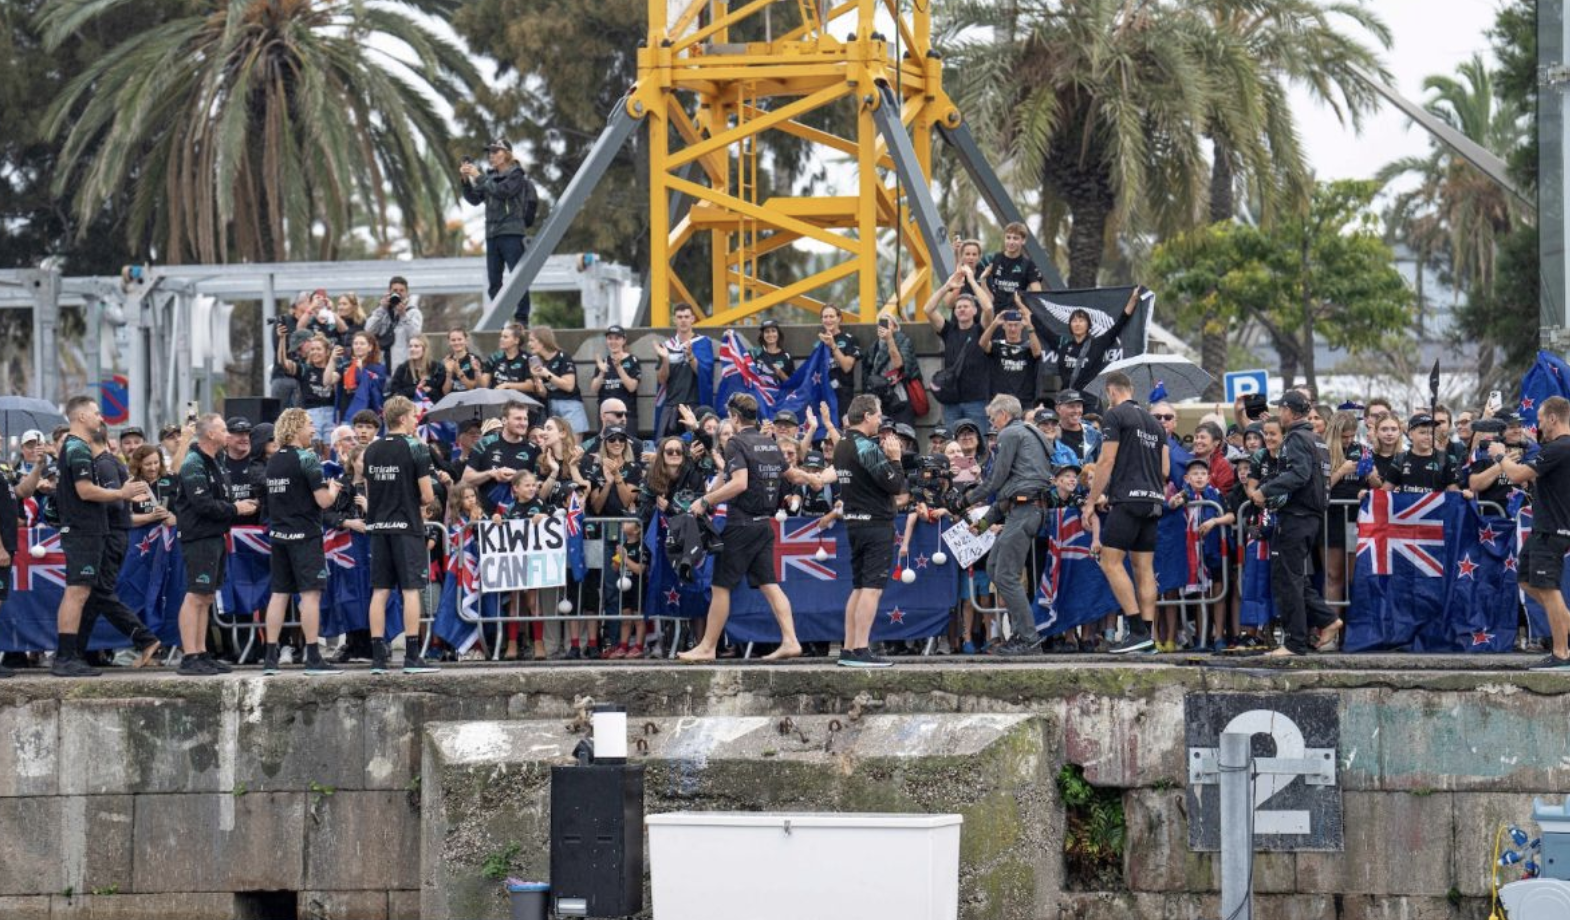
(1235, 761)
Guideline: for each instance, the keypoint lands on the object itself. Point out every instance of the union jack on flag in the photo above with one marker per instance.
(736, 361)
(796, 544)
(1067, 538)
(250, 538)
(163, 533)
(466, 566)
(50, 567)
(574, 516)
(339, 545)
(1413, 533)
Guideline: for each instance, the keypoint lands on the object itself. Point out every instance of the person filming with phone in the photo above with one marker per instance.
(510, 205)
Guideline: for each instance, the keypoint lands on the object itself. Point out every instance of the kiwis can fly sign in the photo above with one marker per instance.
(523, 554)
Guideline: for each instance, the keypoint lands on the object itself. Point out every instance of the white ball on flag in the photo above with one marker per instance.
(820, 555)
(940, 557)
(36, 551)
(624, 584)
(908, 576)
(565, 607)
(780, 515)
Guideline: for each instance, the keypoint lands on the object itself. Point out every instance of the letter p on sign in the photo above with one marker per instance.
(1242, 383)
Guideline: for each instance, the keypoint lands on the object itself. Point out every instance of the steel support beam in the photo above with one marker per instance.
(617, 130)
(1553, 165)
(997, 197)
(924, 209)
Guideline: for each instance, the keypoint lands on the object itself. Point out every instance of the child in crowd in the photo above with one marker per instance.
(630, 561)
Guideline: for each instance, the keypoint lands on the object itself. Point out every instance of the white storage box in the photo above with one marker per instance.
(779, 866)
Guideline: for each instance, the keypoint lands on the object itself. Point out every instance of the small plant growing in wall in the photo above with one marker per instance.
(499, 862)
(1093, 833)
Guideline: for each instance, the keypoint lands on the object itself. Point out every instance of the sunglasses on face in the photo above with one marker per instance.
(612, 412)
(615, 440)
(673, 453)
(1165, 418)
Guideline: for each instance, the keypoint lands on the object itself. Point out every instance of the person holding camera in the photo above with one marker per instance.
(396, 320)
(892, 362)
(510, 205)
(1013, 353)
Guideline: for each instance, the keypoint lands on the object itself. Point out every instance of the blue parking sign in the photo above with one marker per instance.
(1242, 383)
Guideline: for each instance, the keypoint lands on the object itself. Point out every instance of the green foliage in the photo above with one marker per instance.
(1094, 832)
(1514, 43)
(106, 890)
(239, 789)
(498, 863)
(1327, 266)
(243, 129)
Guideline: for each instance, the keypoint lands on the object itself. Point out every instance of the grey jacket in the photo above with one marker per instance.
(1020, 465)
(509, 198)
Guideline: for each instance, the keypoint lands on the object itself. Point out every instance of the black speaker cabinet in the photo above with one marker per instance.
(258, 410)
(597, 840)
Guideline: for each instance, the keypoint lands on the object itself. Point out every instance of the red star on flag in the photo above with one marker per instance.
(1467, 567)
(1527, 403)
(1510, 563)
(1487, 535)
(921, 561)
(673, 597)
(1481, 638)
(896, 615)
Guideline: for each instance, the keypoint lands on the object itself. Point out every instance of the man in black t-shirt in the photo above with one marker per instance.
(1541, 566)
(84, 528)
(105, 599)
(964, 384)
(499, 456)
(247, 472)
(678, 371)
(1422, 468)
(754, 465)
(867, 461)
(1131, 484)
(398, 483)
(297, 493)
(1013, 355)
(616, 376)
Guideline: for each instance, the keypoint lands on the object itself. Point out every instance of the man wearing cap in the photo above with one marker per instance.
(1420, 468)
(867, 462)
(247, 472)
(510, 203)
(1048, 423)
(938, 439)
(1485, 475)
(616, 377)
(754, 468)
(1299, 495)
(1084, 440)
(131, 437)
(206, 513)
(36, 478)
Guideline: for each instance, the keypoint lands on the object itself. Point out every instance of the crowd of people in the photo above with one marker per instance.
(1017, 435)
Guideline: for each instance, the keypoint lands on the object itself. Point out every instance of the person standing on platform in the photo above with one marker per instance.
(1299, 496)
(870, 476)
(1131, 477)
(297, 494)
(105, 599)
(754, 467)
(206, 512)
(84, 529)
(510, 205)
(398, 482)
(1021, 478)
(1541, 567)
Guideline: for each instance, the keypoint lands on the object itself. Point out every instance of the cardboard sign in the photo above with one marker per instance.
(967, 547)
(521, 555)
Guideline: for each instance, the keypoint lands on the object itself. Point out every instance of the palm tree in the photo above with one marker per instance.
(259, 129)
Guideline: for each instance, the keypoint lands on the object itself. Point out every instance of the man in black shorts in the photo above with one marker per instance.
(84, 529)
(1298, 494)
(870, 476)
(1541, 566)
(105, 599)
(297, 493)
(205, 512)
(398, 485)
(1131, 486)
(753, 467)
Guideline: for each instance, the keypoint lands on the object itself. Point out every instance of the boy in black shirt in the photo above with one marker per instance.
(398, 482)
(1011, 272)
(754, 466)
(1422, 469)
(297, 494)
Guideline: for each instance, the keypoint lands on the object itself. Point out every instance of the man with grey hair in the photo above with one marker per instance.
(1021, 477)
(206, 512)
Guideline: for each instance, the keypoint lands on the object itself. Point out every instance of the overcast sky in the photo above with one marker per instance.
(1429, 37)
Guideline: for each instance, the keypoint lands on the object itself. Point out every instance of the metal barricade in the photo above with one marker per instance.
(1335, 514)
(596, 557)
(1183, 602)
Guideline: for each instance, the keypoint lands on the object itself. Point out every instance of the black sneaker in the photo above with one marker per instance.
(414, 664)
(72, 667)
(849, 659)
(1134, 643)
(1015, 648)
(316, 665)
(219, 665)
(196, 666)
(591, 652)
(573, 654)
(378, 657)
(270, 663)
(1551, 662)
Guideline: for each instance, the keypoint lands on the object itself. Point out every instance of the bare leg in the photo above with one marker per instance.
(277, 606)
(204, 609)
(719, 612)
(69, 617)
(310, 617)
(1145, 583)
(379, 613)
(780, 605)
(866, 612)
(1117, 579)
(411, 622)
(1558, 617)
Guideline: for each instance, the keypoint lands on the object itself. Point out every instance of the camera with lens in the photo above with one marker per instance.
(1255, 406)
(394, 299)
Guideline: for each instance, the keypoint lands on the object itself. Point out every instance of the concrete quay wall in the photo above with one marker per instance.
(133, 797)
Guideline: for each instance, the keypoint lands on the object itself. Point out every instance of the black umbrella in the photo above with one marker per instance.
(1179, 377)
(478, 404)
(21, 413)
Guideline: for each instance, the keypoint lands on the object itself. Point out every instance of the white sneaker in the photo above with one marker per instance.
(286, 654)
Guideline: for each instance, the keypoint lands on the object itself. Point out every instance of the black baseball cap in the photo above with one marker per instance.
(1488, 426)
(1295, 401)
(164, 433)
(1070, 396)
(886, 425)
(499, 143)
(786, 417)
(1062, 468)
(993, 431)
(238, 424)
(613, 431)
(768, 324)
(132, 430)
(1511, 419)
(940, 432)
(964, 424)
(1420, 420)
(616, 331)
(905, 431)
(1196, 461)
(813, 459)
(1043, 416)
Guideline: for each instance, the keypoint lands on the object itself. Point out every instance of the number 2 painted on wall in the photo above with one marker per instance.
(1289, 744)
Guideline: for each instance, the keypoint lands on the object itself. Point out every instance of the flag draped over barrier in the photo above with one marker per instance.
(800, 394)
